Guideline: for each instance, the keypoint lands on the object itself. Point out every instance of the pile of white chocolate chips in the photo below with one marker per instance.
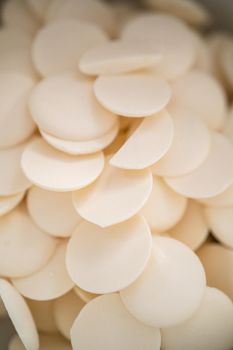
(116, 176)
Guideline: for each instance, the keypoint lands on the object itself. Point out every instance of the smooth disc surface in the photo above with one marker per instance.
(105, 260)
(171, 287)
(110, 326)
(224, 199)
(56, 171)
(115, 197)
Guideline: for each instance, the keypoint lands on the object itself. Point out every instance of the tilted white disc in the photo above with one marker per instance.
(224, 199)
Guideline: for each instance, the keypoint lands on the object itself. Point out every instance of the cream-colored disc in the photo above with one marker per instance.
(105, 260)
(84, 295)
(16, 14)
(192, 229)
(134, 95)
(171, 287)
(120, 195)
(52, 56)
(24, 248)
(16, 343)
(201, 183)
(56, 171)
(209, 328)
(85, 119)
(10, 202)
(117, 57)
(12, 39)
(51, 282)
(53, 212)
(16, 124)
(104, 323)
(82, 147)
(218, 261)
(225, 199)
(20, 315)
(220, 221)
(203, 96)
(97, 12)
(192, 12)
(147, 145)
(169, 36)
(55, 341)
(164, 208)
(190, 146)
(66, 309)
(42, 312)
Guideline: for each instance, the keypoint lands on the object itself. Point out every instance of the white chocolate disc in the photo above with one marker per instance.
(190, 146)
(16, 343)
(54, 341)
(51, 282)
(192, 229)
(148, 144)
(84, 295)
(97, 12)
(115, 197)
(217, 261)
(117, 57)
(104, 323)
(12, 39)
(220, 221)
(224, 199)
(10, 202)
(105, 260)
(56, 171)
(66, 309)
(53, 212)
(16, 124)
(209, 328)
(52, 56)
(164, 208)
(203, 96)
(212, 177)
(85, 119)
(171, 287)
(170, 37)
(24, 248)
(20, 315)
(43, 314)
(192, 12)
(134, 95)
(82, 147)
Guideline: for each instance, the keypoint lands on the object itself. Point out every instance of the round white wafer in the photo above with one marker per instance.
(110, 326)
(56, 171)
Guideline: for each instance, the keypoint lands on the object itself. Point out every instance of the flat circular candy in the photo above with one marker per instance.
(201, 183)
(171, 287)
(215, 316)
(51, 282)
(202, 95)
(16, 124)
(220, 221)
(20, 315)
(153, 138)
(8, 203)
(120, 195)
(24, 248)
(43, 314)
(53, 212)
(56, 171)
(105, 260)
(117, 57)
(82, 147)
(60, 96)
(185, 153)
(192, 229)
(84, 295)
(134, 95)
(52, 56)
(169, 36)
(110, 326)
(164, 208)
(66, 309)
(192, 12)
(217, 261)
(224, 199)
